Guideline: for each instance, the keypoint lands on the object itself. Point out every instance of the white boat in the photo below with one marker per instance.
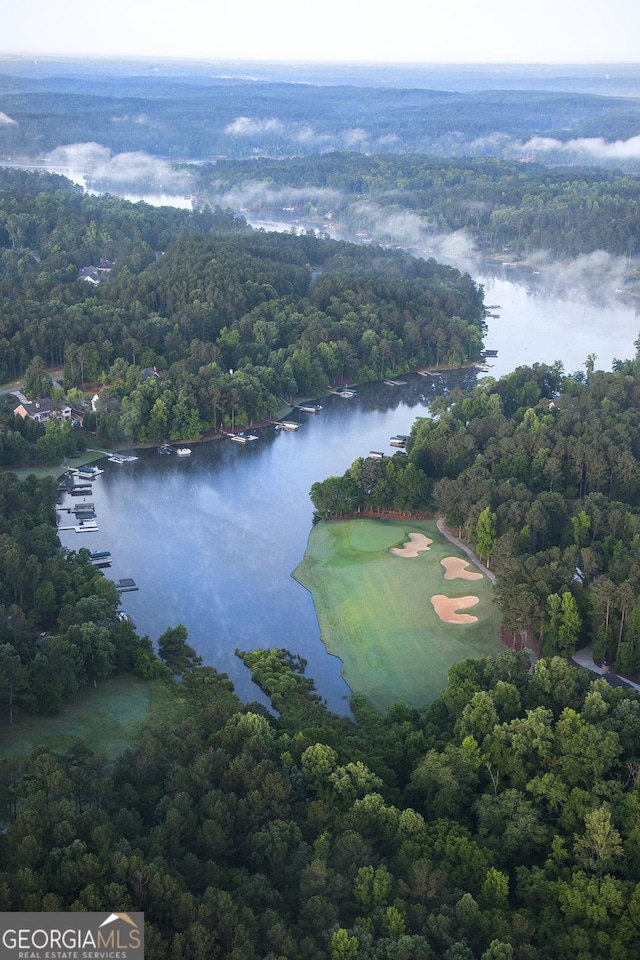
(86, 526)
(86, 472)
(183, 452)
(346, 394)
(121, 458)
(310, 407)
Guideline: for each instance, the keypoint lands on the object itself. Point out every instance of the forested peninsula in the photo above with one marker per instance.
(517, 208)
(201, 321)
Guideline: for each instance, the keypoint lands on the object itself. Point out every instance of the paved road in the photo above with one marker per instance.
(16, 393)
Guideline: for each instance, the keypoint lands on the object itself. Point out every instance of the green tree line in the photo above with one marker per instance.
(498, 822)
(230, 321)
(541, 472)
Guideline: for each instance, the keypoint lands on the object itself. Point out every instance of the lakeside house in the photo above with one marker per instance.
(43, 410)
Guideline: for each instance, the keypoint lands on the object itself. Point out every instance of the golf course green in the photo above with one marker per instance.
(386, 614)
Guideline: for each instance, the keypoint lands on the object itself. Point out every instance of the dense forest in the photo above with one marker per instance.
(202, 321)
(196, 115)
(507, 207)
(541, 472)
(499, 823)
(59, 629)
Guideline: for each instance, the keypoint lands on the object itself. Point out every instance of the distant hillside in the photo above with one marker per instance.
(191, 114)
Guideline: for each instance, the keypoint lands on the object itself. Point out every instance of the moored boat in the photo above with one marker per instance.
(183, 452)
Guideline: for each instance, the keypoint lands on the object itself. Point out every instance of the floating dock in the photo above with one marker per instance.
(126, 585)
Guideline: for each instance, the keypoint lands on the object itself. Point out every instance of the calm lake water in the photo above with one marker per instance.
(212, 540)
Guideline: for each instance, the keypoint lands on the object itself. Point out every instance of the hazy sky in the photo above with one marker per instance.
(427, 31)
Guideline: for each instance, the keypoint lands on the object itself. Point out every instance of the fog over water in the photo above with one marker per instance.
(212, 540)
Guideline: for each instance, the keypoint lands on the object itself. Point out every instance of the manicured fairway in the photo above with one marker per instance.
(376, 613)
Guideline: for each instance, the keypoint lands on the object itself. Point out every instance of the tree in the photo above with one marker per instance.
(600, 847)
(174, 650)
(37, 382)
(343, 946)
(486, 534)
(13, 679)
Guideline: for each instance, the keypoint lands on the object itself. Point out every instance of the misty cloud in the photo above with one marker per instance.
(255, 194)
(81, 161)
(353, 137)
(594, 148)
(595, 277)
(248, 127)
(404, 229)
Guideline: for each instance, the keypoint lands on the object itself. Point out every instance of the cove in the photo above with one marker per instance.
(212, 540)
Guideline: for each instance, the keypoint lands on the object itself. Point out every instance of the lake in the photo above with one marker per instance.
(212, 540)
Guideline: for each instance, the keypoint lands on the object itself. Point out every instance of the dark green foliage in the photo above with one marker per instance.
(58, 626)
(202, 322)
(542, 473)
(242, 834)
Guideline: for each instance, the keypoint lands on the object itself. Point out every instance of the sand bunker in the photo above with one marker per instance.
(413, 546)
(455, 568)
(446, 608)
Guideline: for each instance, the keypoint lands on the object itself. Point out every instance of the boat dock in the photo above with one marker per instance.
(396, 383)
(126, 585)
(287, 425)
(399, 440)
(80, 489)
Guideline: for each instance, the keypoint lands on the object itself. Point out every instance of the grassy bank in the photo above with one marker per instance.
(107, 718)
(375, 609)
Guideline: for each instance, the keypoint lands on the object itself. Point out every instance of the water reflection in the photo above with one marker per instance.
(211, 540)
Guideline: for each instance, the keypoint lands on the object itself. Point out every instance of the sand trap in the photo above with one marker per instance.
(413, 546)
(446, 608)
(455, 568)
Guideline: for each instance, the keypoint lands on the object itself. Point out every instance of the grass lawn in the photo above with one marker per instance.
(107, 717)
(375, 610)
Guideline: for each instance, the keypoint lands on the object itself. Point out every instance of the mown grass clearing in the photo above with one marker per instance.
(107, 718)
(375, 610)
